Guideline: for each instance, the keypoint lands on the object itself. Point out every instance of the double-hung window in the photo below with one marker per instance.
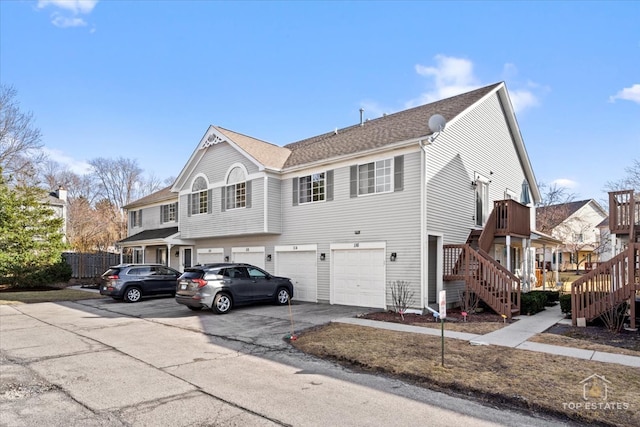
(311, 188)
(168, 213)
(236, 190)
(375, 177)
(135, 218)
(199, 202)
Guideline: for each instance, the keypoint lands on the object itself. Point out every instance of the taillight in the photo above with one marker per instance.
(201, 282)
(113, 277)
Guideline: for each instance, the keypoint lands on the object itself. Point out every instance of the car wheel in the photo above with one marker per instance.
(222, 303)
(282, 296)
(194, 308)
(132, 294)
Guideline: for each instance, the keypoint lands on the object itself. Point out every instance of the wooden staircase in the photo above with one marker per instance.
(610, 284)
(487, 278)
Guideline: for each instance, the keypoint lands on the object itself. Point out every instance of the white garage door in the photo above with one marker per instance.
(358, 278)
(253, 258)
(302, 269)
(209, 258)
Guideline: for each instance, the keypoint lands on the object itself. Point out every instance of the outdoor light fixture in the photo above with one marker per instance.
(357, 232)
(226, 259)
(393, 256)
(177, 254)
(269, 257)
(323, 257)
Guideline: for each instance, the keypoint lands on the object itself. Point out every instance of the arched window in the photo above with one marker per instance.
(236, 190)
(199, 197)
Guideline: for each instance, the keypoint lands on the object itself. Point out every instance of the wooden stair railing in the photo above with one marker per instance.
(607, 286)
(487, 278)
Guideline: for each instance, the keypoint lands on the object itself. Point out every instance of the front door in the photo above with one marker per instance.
(186, 255)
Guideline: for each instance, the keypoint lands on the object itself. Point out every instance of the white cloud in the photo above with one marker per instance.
(79, 167)
(74, 6)
(565, 182)
(452, 76)
(67, 11)
(628, 94)
(65, 21)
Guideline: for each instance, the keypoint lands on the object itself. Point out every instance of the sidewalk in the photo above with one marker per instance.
(516, 335)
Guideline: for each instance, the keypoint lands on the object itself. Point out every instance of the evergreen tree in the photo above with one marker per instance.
(31, 242)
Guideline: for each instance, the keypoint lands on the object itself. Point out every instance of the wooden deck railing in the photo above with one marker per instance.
(508, 218)
(494, 284)
(607, 286)
(624, 212)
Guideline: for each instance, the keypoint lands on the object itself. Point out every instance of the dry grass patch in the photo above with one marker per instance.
(478, 328)
(516, 378)
(28, 297)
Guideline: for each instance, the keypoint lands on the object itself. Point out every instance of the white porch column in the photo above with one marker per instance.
(544, 266)
(508, 245)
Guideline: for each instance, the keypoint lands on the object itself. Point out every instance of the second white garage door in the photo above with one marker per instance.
(302, 269)
(253, 256)
(358, 277)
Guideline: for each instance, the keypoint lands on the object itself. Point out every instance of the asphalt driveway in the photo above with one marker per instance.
(156, 363)
(262, 325)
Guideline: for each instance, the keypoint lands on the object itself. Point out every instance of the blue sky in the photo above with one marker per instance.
(145, 79)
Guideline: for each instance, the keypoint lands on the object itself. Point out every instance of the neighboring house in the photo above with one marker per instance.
(576, 225)
(348, 213)
(57, 200)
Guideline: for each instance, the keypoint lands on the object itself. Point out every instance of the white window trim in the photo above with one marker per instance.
(391, 175)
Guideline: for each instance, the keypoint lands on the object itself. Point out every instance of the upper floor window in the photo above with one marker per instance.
(236, 190)
(311, 188)
(199, 197)
(375, 177)
(168, 213)
(135, 218)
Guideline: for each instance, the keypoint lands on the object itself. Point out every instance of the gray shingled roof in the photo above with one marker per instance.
(563, 210)
(158, 233)
(402, 126)
(159, 196)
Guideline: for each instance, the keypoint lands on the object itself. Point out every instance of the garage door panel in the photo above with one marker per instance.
(253, 258)
(210, 258)
(359, 278)
(301, 267)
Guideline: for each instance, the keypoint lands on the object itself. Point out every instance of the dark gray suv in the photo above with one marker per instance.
(223, 286)
(131, 282)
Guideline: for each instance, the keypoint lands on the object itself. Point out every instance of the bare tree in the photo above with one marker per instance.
(119, 180)
(20, 140)
(631, 181)
(553, 208)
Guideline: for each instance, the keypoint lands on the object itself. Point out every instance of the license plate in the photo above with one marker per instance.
(183, 286)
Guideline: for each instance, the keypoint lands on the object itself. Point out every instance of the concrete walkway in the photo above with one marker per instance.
(515, 335)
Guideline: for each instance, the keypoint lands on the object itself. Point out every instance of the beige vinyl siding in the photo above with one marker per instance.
(216, 163)
(479, 142)
(390, 217)
(274, 205)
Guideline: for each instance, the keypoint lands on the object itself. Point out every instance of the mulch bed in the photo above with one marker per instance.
(453, 315)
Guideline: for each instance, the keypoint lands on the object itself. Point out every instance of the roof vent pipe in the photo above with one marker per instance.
(361, 116)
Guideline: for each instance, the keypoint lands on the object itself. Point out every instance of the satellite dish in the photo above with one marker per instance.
(437, 123)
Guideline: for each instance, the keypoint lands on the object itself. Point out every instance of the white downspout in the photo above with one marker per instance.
(424, 247)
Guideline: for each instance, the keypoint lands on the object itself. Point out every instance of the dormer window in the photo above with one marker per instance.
(236, 189)
(199, 197)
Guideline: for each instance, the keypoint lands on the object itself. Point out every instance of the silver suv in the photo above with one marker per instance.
(223, 286)
(131, 282)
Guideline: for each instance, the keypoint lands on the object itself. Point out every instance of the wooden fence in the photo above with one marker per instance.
(91, 265)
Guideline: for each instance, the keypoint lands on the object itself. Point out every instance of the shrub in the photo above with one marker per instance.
(401, 296)
(614, 316)
(552, 296)
(565, 303)
(532, 302)
(60, 272)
